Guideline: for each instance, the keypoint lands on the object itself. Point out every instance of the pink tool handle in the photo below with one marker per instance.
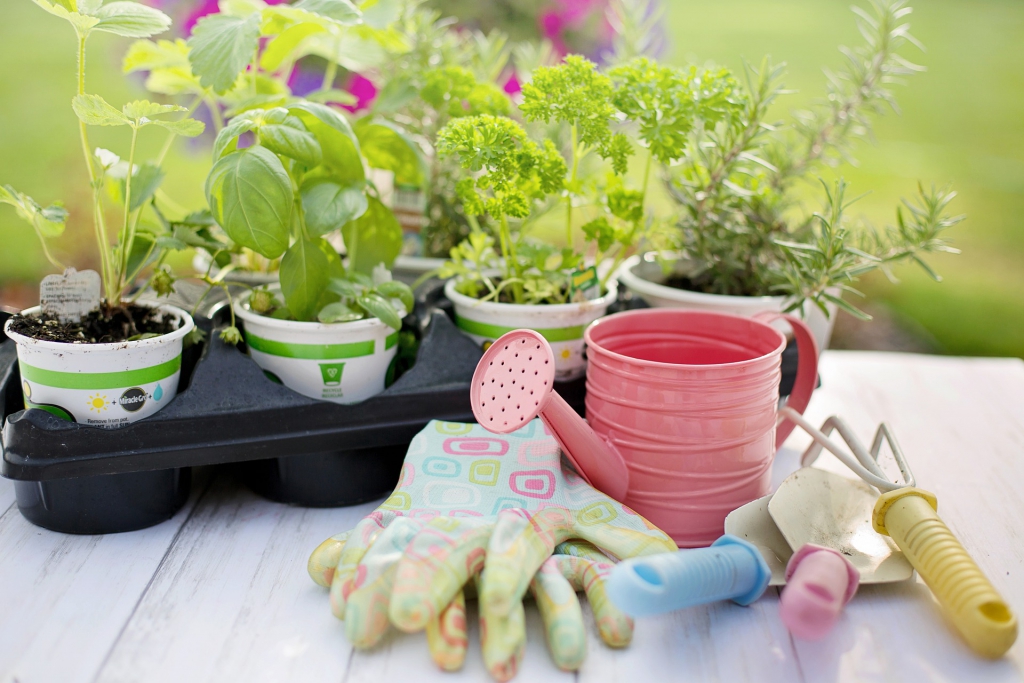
(819, 583)
(806, 370)
(595, 459)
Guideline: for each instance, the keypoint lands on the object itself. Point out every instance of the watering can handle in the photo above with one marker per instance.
(806, 369)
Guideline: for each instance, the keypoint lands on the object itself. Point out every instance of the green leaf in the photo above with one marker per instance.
(338, 312)
(373, 238)
(336, 269)
(147, 55)
(381, 308)
(332, 95)
(381, 14)
(188, 128)
(170, 243)
(140, 109)
(388, 147)
(220, 48)
(340, 10)
(262, 101)
(328, 206)
(304, 276)
(69, 5)
(280, 48)
(344, 287)
(93, 110)
(325, 114)
(131, 20)
(48, 222)
(143, 252)
(397, 290)
(82, 22)
(844, 305)
(145, 181)
(173, 81)
(396, 93)
(291, 142)
(241, 8)
(250, 195)
(339, 145)
(227, 138)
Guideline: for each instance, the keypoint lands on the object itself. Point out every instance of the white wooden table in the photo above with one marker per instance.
(220, 592)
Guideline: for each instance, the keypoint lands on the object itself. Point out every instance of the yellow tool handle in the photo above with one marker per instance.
(909, 517)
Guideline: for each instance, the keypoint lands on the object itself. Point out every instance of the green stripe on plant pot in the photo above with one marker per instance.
(552, 334)
(391, 340)
(310, 351)
(99, 380)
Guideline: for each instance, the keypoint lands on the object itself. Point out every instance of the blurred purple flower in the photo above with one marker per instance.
(303, 81)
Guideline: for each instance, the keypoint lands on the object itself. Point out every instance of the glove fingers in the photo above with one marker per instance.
(447, 637)
(502, 639)
(519, 545)
(614, 626)
(434, 569)
(563, 619)
(359, 540)
(324, 560)
(366, 607)
(579, 548)
(622, 542)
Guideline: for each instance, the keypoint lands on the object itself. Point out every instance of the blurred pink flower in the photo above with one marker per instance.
(204, 7)
(513, 86)
(364, 90)
(564, 16)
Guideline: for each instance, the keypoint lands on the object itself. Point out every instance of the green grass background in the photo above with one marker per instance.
(962, 123)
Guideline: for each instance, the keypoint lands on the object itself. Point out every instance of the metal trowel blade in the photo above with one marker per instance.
(753, 523)
(815, 506)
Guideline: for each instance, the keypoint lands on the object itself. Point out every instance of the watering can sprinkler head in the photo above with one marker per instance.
(514, 383)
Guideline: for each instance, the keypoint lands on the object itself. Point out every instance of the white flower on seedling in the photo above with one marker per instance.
(380, 274)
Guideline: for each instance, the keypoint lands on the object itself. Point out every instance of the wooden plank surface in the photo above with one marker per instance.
(220, 593)
(64, 600)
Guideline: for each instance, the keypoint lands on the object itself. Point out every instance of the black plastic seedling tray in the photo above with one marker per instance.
(82, 479)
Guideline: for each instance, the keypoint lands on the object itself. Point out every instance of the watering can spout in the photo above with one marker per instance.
(597, 461)
(514, 383)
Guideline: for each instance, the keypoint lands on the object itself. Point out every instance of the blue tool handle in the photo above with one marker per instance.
(731, 569)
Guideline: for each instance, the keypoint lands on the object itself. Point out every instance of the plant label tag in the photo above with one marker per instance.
(70, 296)
(585, 281)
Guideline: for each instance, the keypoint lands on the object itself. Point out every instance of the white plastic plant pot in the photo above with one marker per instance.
(561, 324)
(643, 277)
(339, 362)
(106, 385)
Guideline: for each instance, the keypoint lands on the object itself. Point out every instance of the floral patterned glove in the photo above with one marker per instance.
(476, 509)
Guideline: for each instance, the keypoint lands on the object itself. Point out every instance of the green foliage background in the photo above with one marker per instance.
(962, 122)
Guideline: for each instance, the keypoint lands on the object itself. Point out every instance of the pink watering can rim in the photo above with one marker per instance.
(623, 318)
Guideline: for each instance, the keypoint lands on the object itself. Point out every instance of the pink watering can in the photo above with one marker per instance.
(682, 408)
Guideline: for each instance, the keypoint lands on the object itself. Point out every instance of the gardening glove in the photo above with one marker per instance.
(554, 589)
(466, 495)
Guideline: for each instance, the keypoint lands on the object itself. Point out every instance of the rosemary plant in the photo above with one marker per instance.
(741, 226)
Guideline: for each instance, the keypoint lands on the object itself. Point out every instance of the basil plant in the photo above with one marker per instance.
(302, 178)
